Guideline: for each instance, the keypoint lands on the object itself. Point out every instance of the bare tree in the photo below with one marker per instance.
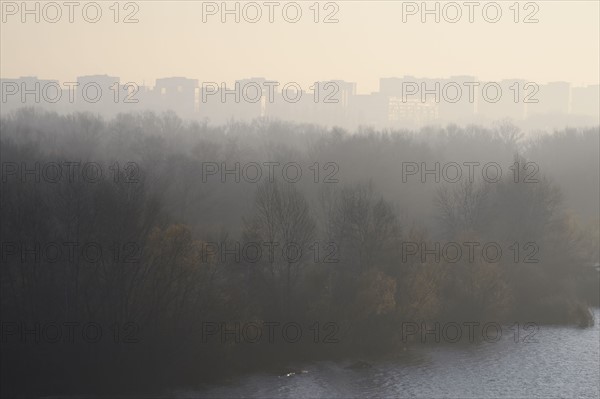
(282, 219)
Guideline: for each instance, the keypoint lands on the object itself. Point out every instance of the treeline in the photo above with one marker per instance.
(155, 232)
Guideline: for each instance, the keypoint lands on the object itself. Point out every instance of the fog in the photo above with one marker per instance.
(288, 199)
(164, 229)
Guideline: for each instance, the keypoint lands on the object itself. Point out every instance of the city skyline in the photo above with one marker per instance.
(399, 102)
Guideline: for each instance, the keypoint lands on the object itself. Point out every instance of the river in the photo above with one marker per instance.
(562, 362)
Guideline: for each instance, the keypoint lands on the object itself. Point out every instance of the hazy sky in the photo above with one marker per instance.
(369, 41)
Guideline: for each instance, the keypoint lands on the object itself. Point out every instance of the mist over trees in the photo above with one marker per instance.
(160, 211)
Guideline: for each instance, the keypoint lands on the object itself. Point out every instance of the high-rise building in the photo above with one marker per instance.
(177, 94)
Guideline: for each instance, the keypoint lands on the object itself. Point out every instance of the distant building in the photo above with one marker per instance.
(29, 91)
(253, 97)
(505, 99)
(177, 94)
(331, 101)
(458, 100)
(246, 100)
(585, 101)
(412, 113)
(553, 98)
(370, 110)
(100, 94)
(401, 102)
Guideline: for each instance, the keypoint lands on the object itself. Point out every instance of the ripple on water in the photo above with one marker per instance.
(564, 362)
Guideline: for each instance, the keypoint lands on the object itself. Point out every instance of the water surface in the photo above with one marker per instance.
(564, 362)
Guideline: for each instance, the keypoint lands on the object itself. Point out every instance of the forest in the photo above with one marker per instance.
(151, 252)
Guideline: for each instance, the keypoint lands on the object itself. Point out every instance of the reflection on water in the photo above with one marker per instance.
(564, 362)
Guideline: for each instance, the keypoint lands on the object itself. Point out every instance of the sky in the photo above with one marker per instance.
(369, 41)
